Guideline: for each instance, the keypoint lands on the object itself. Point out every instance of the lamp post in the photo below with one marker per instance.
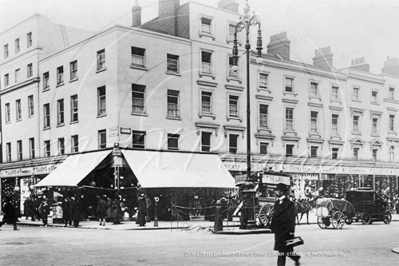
(248, 190)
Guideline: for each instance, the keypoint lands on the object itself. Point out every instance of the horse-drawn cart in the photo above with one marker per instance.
(333, 212)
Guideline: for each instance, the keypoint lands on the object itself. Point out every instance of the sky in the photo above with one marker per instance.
(352, 28)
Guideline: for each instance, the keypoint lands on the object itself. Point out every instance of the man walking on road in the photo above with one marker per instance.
(283, 225)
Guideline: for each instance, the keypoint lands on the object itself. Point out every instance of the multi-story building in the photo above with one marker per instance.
(168, 84)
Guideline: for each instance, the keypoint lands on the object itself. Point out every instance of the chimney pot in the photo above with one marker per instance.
(279, 45)
(323, 58)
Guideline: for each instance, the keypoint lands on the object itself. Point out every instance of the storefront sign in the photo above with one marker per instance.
(275, 179)
(308, 177)
(26, 171)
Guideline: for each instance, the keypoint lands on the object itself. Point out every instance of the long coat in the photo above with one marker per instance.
(66, 209)
(142, 211)
(283, 224)
(102, 209)
(10, 213)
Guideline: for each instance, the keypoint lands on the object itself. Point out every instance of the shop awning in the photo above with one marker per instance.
(160, 169)
(73, 169)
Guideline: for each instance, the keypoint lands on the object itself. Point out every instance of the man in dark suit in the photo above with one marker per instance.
(283, 225)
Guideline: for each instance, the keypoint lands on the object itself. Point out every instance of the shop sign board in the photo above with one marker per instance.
(275, 179)
(114, 131)
(26, 171)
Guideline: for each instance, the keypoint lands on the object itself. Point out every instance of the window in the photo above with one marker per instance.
(374, 127)
(101, 99)
(233, 105)
(74, 70)
(375, 154)
(206, 66)
(334, 153)
(392, 123)
(31, 106)
(8, 151)
(31, 148)
(19, 150)
(102, 139)
(46, 112)
(46, 77)
(7, 113)
(17, 72)
(356, 153)
(232, 29)
(60, 112)
(6, 53)
(391, 154)
(313, 89)
(356, 124)
(391, 94)
(29, 70)
(263, 147)
(289, 150)
(206, 25)
(263, 115)
(232, 73)
(138, 58)
(355, 94)
(289, 119)
(313, 151)
(29, 39)
(263, 80)
(17, 47)
(173, 103)
(206, 141)
(18, 110)
(335, 93)
(173, 141)
(46, 148)
(61, 146)
(334, 124)
(313, 122)
(75, 143)
(374, 96)
(101, 60)
(172, 63)
(6, 80)
(74, 108)
(139, 139)
(60, 75)
(289, 84)
(138, 93)
(206, 102)
(233, 138)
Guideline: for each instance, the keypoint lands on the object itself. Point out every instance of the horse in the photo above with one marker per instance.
(302, 207)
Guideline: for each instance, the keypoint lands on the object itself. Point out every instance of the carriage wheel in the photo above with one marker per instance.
(266, 214)
(387, 218)
(321, 223)
(366, 218)
(338, 220)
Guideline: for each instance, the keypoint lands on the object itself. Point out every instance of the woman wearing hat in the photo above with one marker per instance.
(283, 225)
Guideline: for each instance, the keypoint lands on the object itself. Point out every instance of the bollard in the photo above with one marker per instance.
(218, 226)
(156, 199)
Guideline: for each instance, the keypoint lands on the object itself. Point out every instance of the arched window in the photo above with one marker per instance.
(392, 154)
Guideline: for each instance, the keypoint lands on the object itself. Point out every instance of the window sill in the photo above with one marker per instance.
(234, 118)
(375, 103)
(264, 89)
(314, 97)
(206, 74)
(61, 125)
(173, 118)
(356, 100)
(173, 73)
(314, 135)
(46, 88)
(60, 84)
(138, 67)
(233, 78)
(357, 133)
(73, 80)
(336, 101)
(392, 133)
(101, 115)
(375, 135)
(74, 122)
(31, 116)
(101, 70)
(207, 34)
(290, 93)
(139, 114)
(46, 128)
(207, 115)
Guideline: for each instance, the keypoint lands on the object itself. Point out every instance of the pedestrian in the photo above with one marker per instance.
(116, 211)
(142, 210)
(109, 209)
(10, 213)
(66, 211)
(76, 211)
(101, 210)
(44, 210)
(283, 225)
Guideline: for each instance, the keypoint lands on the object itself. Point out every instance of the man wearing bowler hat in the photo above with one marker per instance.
(283, 225)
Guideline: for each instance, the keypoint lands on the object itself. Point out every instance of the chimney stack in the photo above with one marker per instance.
(230, 5)
(323, 58)
(168, 15)
(279, 45)
(136, 15)
(359, 64)
(391, 67)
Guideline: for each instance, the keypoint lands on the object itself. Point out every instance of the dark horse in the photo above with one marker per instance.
(302, 207)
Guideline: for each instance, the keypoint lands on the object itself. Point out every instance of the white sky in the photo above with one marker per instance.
(353, 28)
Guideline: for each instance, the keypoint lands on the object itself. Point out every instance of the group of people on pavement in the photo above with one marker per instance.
(109, 210)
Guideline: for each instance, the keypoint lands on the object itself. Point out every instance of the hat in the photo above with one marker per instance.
(282, 187)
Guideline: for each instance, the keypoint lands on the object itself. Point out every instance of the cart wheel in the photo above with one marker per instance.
(338, 220)
(266, 214)
(366, 218)
(321, 223)
(348, 220)
(387, 218)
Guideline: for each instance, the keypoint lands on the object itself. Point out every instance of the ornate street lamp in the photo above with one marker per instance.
(248, 190)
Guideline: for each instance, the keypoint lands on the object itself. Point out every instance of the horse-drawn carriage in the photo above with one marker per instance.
(334, 212)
